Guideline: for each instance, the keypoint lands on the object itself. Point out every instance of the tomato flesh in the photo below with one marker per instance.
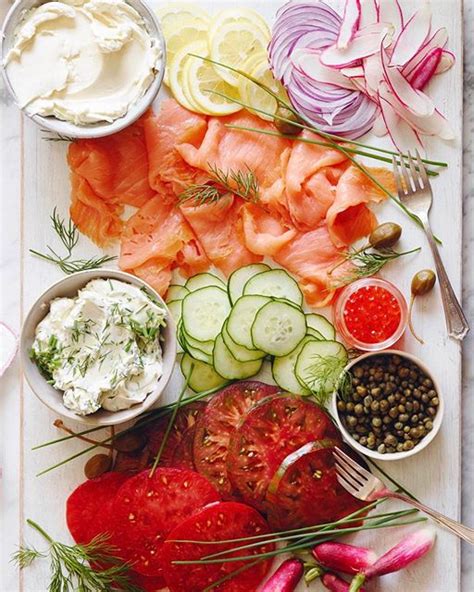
(217, 424)
(89, 505)
(178, 449)
(308, 493)
(147, 508)
(218, 522)
(271, 430)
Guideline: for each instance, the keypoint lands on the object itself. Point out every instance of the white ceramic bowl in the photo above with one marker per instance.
(392, 455)
(69, 287)
(93, 130)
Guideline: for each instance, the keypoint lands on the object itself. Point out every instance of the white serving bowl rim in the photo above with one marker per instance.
(95, 130)
(52, 397)
(392, 455)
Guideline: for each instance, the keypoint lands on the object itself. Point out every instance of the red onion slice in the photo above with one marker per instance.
(8, 347)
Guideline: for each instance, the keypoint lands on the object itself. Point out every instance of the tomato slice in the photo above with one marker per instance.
(305, 490)
(147, 583)
(217, 424)
(177, 452)
(89, 505)
(147, 508)
(218, 522)
(271, 430)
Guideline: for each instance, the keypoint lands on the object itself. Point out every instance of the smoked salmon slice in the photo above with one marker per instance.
(218, 227)
(174, 125)
(264, 233)
(348, 218)
(93, 216)
(310, 257)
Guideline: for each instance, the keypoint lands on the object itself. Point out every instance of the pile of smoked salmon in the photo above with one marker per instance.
(312, 201)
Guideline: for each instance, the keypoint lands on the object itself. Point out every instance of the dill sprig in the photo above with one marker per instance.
(323, 375)
(241, 183)
(55, 137)
(69, 237)
(70, 565)
(366, 262)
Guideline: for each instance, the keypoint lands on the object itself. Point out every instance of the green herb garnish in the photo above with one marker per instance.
(47, 359)
(241, 183)
(69, 237)
(71, 565)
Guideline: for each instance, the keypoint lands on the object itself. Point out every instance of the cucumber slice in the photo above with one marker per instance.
(176, 292)
(227, 366)
(203, 376)
(320, 365)
(204, 346)
(204, 312)
(276, 283)
(175, 308)
(240, 353)
(278, 328)
(321, 325)
(241, 318)
(283, 370)
(204, 280)
(240, 277)
(195, 352)
(316, 334)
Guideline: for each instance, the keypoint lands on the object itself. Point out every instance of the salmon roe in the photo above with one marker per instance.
(372, 314)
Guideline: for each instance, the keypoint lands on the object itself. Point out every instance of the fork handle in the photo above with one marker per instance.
(464, 532)
(456, 321)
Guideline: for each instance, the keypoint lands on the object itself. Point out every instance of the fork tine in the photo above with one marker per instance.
(348, 476)
(422, 169)
(398, 179)
(406, 176)
(359, 479)
(415, 175)
(351, 462)
(347, 486)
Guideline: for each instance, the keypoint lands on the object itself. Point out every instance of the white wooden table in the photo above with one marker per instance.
(34, 179)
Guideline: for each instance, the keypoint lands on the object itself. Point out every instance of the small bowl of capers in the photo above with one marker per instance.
(388, 405)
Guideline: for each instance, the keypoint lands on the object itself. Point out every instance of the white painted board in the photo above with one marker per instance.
(34, 179)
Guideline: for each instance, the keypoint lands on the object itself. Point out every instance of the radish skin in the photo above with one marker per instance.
(426, 69)
(336, 584)
(348, 559)
(286, 577)
(410, 549)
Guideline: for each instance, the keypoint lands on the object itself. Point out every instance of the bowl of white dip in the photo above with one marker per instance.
(98, 347)
(83, 68)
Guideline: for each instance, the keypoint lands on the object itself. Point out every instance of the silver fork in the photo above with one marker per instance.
(414, 191)
(365, 486)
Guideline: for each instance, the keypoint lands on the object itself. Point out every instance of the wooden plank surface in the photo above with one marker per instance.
(35, 179)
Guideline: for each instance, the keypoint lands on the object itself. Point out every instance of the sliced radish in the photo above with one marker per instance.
(308, 63)
(368, 13)
(373, 72)
(8, 347)
(379, 129)
(354, 72)
(350, 23)
(390, 11)
(426, 69)
(412, 37)
(366, 42)
(401, 133)
(446, 62)
(438, 39)
(412, 99)
(433, 125)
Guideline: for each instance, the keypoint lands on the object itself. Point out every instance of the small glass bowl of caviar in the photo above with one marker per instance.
(371, 314)
(388, 405)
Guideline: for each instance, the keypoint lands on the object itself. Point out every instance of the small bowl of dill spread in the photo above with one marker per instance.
(99, 347)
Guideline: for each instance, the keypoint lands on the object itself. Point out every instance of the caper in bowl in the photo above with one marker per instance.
(389, 405)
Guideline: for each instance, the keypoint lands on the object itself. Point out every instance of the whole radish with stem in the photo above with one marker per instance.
(286, 577)
(349, 559)
(422, 283)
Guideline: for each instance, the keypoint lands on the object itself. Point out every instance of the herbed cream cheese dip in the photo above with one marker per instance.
(82, 61)
(101, 348)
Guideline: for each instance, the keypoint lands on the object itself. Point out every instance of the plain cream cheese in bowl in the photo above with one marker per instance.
(82, 61)
(101, 348)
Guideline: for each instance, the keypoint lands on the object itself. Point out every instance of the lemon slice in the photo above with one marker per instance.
(238, 15)
(177, 72)
(201, 77)
(182, 24)
(255, 96)
(234, 43)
